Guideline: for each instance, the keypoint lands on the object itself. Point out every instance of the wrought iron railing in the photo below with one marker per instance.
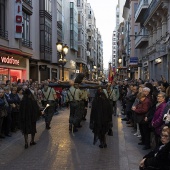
(140, 5)
(150, 9)
(3, 34)
(26, 43)
(29, 2)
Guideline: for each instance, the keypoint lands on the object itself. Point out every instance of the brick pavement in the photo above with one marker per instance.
(57, 149)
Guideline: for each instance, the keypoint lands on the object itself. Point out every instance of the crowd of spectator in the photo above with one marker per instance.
(145, 106)
(11, 95)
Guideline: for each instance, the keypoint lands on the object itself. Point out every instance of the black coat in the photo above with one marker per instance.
(101, 115)
(161, 160)
(28, 114)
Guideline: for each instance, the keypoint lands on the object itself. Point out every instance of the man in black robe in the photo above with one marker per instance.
(100, 118)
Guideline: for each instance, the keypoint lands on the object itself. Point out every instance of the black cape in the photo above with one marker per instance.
(101, 115)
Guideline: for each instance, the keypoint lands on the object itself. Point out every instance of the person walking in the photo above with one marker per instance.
(49, 95)
(100, 118)
(28, 114)
(73, 97)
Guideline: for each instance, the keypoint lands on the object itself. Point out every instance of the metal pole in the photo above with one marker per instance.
(62, 72)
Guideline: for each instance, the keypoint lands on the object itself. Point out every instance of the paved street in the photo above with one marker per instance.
(57, 149)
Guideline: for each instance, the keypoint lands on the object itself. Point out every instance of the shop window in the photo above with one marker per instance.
(4, 74)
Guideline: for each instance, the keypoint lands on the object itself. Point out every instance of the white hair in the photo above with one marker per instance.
(146, 89)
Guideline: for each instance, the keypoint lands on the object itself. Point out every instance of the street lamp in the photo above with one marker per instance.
(63, 50)
(119, 60)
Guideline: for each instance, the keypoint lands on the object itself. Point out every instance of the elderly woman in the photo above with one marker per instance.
(157, 121)
(158, 159)
(141, 109)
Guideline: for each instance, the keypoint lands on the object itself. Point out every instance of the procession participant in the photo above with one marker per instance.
(115, 99)
(100, 118)
(28, 114)
(84, 98)
(73, 97)
(110, 94)
(49, 97)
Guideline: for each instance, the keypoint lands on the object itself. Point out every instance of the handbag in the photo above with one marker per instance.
(166, 118)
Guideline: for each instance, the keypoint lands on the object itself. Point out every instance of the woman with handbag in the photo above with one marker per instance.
(3, 111)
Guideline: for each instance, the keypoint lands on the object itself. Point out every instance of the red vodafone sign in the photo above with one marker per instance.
(18, 18)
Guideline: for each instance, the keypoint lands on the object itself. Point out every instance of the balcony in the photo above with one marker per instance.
(26, 43)
(27, 6)
(142, 7)
(3, 34)
(141, 38)
(154, 5)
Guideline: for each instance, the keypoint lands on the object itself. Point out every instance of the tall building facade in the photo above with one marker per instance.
(28, 39)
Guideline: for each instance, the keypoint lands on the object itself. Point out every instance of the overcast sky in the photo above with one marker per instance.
(105, 13)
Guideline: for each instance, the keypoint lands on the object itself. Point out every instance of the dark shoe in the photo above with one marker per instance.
(26, 145)
(141, 143)
(146, 148)
(110, 132)
(70, 127)
(124, 119)
(48, 126)
(2, 136)
(75, 130)
(130, 125)
(128, 122)
(84, 119)
(79, 126)
(105, 145)
(8, 135)
(100, 146)
(32, 143)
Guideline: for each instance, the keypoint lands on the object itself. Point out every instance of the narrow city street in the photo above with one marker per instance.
(57, 149)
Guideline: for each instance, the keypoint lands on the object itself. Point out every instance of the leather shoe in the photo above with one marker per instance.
(26, 145)
(2, 136)
(146, 148)
(128, 122)
(32, 143)
(124, 119)
(141, 143)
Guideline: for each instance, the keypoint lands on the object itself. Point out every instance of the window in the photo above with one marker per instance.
(26, 30)
(2, 14)
(78, 3)
(48, 33)
(26, 26)
(48, 6)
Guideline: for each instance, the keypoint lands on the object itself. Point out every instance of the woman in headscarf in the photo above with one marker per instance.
(28, 114)
(100, 118)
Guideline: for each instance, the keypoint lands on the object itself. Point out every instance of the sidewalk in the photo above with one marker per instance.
(57, 149)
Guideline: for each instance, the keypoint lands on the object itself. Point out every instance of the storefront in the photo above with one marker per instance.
(13, 67)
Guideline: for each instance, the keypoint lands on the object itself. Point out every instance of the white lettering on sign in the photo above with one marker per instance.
(9, 60)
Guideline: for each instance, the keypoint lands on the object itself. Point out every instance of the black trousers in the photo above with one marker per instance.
(145, 133)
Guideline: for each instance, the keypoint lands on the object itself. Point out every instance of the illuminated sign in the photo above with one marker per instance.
(9, 60)
(18, 18)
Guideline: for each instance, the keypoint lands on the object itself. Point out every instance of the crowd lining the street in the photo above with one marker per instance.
(145, 105)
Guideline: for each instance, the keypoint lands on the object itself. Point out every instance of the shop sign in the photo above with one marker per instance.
(133, 60)
(18, 18)
(9, 60)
